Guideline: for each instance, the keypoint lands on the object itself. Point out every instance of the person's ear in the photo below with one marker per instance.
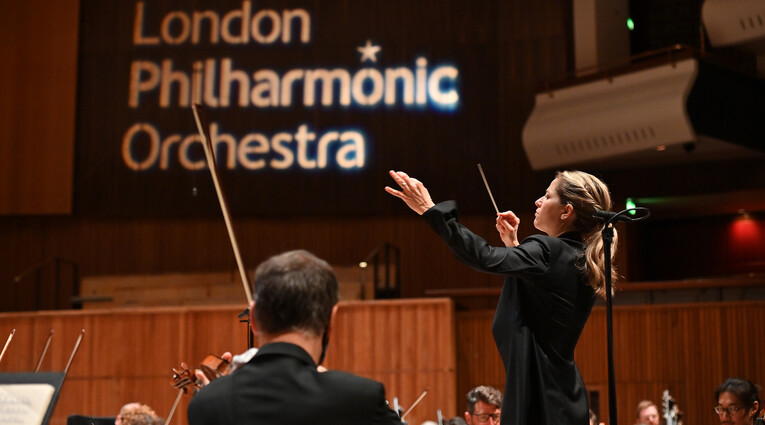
(331, 320)
(755, 408)
(568, 211)
(468, 419)
(253, 328)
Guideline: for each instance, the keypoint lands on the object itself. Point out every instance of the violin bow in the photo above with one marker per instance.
(416, 402)
(204, 133)
(74, 351)
(175, 405)
(7, 343)
(45, 350)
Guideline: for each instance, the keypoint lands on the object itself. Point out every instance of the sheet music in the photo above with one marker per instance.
(24, 404)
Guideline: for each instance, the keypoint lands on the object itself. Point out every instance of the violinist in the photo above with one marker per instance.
(292, 313)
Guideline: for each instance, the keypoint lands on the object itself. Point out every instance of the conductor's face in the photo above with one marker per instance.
(548, 217)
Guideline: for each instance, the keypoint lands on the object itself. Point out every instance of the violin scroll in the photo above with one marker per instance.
(211, 368)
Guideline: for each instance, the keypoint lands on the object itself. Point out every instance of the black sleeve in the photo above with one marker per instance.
(384, 415)
(210, 405)
(532, 257)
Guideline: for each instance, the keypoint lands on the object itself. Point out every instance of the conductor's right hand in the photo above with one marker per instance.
(412, 192)
(507, 226)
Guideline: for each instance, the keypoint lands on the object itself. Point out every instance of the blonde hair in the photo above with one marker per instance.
(645, 404)
(140, 414)
(586, 193)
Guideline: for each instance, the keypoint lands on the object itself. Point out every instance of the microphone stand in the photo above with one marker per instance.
(608, 237)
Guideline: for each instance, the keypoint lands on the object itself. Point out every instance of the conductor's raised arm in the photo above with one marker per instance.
(412, 192)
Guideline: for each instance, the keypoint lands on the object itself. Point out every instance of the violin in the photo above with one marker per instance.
(212, 367)
(187, 382)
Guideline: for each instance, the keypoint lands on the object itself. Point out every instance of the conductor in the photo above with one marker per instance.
(550, 286)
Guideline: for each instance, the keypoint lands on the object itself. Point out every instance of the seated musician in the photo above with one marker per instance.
(295, 296)
(137, 414)
(647, 413)
(484, 406)
(737, 402)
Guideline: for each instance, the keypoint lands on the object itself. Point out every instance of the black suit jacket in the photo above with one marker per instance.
(281, 386)
(543, 307)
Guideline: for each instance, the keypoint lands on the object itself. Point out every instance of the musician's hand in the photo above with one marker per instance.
(507, 226)
(204, 376)
(412, 192)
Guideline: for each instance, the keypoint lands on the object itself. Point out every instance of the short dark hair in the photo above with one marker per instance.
(294, 291)
(745, 390)
(486, 394)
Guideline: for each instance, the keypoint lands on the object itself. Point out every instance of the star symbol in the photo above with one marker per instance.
(369, 51)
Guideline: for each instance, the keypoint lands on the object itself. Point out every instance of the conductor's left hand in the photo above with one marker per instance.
(412, 192)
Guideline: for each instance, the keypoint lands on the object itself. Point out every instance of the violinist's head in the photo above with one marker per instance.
(294, 291)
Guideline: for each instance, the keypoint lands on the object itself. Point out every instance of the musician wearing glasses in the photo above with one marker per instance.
(738, 402)
(484, 406)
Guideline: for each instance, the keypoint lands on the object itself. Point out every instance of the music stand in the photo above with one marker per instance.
(90, 420)
(29, 398)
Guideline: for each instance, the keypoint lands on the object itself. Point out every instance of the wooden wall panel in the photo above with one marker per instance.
(127, 354)
(152, 246)
(37, 108)
(688, 349)
(409, 343)
(477, 356)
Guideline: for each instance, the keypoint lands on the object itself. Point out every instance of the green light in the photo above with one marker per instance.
(630, 24)
(630, 204)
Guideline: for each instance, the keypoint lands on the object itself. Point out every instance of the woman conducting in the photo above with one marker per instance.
(550, 287)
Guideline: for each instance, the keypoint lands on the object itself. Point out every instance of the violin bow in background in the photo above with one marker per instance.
(416, 402)
(45, 350)
(183, 379)
(7, 343)
(74, 351)
(204, 133)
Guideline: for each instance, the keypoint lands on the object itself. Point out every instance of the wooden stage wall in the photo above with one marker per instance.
(688, 349)
(127, 354)
(407, 344)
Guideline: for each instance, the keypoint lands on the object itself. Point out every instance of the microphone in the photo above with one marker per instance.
(610, 217)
